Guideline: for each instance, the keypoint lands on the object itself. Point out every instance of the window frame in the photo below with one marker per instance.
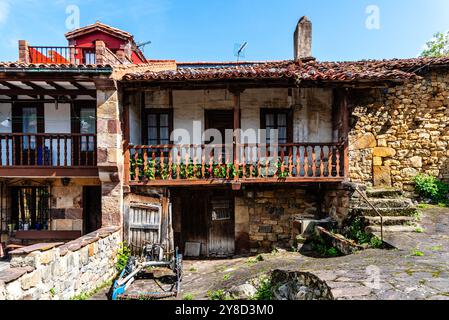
(289, 114)
(158, 113)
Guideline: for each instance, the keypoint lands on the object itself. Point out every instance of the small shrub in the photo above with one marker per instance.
(189, 297)
(218, 295)
(429, 187)
(123, 255)
(193, 269)
(419, 230)
(417, 253)
(227, 277)
(260, 258)
(265, 290)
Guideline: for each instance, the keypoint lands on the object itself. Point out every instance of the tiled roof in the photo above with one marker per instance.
(10, 66)
(98, 26)
(311, 70)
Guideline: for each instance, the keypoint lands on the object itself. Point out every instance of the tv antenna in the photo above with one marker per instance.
(239, 50)
(141, 45)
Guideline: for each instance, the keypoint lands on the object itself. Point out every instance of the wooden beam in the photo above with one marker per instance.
(65, 92)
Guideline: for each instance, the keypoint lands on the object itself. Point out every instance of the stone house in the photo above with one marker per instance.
(227, 158)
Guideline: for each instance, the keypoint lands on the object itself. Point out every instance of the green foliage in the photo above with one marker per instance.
(417, 253)
(356, 231)
(320, 246)
(123, 255)
(419, 230)
(438, 46)
(88, 295)
(265, 290)
(218, 295)
(189, 297)
(52, 292)
(193, 269)
(431, 188)
(227, 277)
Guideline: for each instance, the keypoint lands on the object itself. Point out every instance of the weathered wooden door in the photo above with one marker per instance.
(144, 226)
(221, 238)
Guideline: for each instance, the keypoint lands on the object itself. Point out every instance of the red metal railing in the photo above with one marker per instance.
(62, 55)
(247, 162)
(55, 150)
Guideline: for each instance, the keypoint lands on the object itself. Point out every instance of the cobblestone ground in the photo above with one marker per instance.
(419, 269)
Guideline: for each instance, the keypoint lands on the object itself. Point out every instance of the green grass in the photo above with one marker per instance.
(193, 269)
(265, 290)
(417, 253)
(88, 295)
(437, 248)
(227, 277)
(218, 295)
(188, 297)
(419, 230)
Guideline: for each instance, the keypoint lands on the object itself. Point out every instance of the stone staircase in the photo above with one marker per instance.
(399, 213)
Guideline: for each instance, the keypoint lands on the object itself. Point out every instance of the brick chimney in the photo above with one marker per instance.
(303, 39)
(24, 54)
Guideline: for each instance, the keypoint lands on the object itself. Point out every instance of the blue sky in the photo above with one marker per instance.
(207, 30)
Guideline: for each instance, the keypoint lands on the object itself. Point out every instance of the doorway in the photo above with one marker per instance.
(207, 219)
(92, 209)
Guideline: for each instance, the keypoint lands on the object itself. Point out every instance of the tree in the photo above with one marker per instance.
(438, 46)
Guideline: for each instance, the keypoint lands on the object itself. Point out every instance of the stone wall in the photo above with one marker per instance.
(399, 132)
(265, 218)
(61, 272)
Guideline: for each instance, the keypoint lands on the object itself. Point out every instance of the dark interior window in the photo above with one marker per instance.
(158, 128)
(277, 119)
(30, 208)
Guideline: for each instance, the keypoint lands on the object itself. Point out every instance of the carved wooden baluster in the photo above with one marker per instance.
(72, 149)
(290, 160)
(1, 149)
(65, 151)
(282, 160)
(162, 161)
(306, 161)
(329, 162)
(153, 158)
(13, 140)
(144, 153)
(59, 151)
(244, 160)
(322, 161)
(211, 161)
(51, 151)
(298, 161)
(36, 140)
(251, 161)
(259, 153)
(170, 163)
(195, 160)
(313, 162)
(228, 160)
(187, 160)
(267, 164)
(136, 166)
(178, 164)
(338, 162)
(203, 161)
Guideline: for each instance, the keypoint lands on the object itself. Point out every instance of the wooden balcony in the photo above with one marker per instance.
(171, 165)
(62, 55)
(48, 154)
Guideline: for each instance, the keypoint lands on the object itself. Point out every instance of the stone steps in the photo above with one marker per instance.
(390, 229)
(390, 221)
(384, 193)
(402, 203)
(386, 212)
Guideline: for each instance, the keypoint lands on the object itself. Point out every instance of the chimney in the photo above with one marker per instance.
(303, 39)
(24, 53)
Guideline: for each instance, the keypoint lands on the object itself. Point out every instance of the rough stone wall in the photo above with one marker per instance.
(401, 132)
(110, 153)
(46, 272)
(265, 218)
(336, 203)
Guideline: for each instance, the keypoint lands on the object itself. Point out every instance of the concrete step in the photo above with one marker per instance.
(390, 229)
(386, 212)
(391, 221)
(384, 193)
(384, 203)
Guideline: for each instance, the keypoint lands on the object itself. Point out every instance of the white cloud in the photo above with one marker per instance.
(4, 11)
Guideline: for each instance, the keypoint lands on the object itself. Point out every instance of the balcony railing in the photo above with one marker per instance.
(48, 150)
(166, 164)
(62, 55)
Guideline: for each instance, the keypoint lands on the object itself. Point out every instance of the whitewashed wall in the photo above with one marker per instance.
(312, 110)
(5, 114)
(57, 120)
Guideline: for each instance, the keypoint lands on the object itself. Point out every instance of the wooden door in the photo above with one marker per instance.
(220, 120)
(221, 237)
(144, 226)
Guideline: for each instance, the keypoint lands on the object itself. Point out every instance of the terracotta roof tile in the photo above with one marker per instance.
(51, 66)
(98, 26)
(311, 70)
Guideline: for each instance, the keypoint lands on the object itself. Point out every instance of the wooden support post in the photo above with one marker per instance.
(237, 137)
(126, 139)
(345, 131)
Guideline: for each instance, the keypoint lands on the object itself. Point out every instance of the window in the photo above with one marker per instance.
(221, 210)
(158, 127)
(277, 119)
(30, 208)
(87, 126)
